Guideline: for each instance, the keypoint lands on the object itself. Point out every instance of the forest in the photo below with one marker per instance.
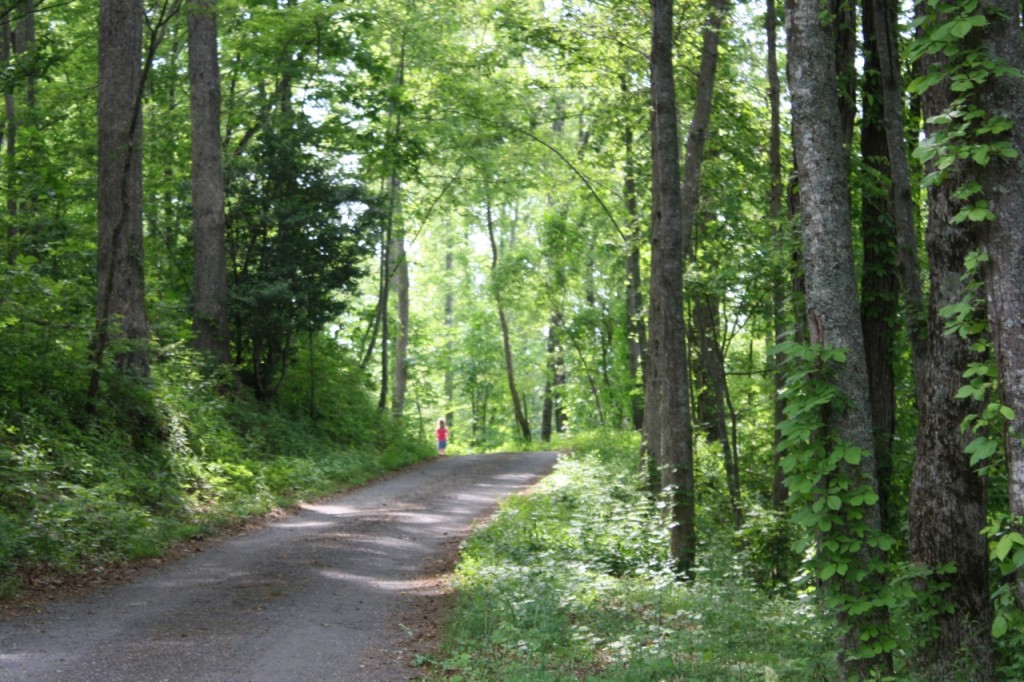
(756, 268)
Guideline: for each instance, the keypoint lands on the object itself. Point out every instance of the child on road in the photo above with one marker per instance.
(442, 437)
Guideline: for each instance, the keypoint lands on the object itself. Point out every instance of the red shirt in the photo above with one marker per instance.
(442, 433)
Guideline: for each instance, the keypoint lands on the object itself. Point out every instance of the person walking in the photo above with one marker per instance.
(442, 437)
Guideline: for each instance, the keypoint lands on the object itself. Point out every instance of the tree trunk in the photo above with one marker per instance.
(832, 311)
(713, 402)
(635, 328)
(7, 50)
(521, 421)
(552, 414)
(667, 410)
(400, 285)
(449, 324)
(121, 287)
(880, 286)
(17, 41)
(882, 15)
(210, 314)
(947, 497)
(384, 310)
(1003, 239)
(779, 317)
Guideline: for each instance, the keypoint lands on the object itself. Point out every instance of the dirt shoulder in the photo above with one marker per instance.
(353, 587)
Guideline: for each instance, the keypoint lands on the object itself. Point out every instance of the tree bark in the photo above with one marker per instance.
(667, 429)
(880, 287)
(882, 15)
(1003, 238)
(832, 310)
(210, 306)
(947, 497)
(775, 187)
(121, 286)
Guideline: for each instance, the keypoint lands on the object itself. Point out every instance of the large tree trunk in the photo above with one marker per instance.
(667, 411)
(1003, 239)
(121, 301)
(832, 310)
(210, 314)
(947, 497)
(879, 282)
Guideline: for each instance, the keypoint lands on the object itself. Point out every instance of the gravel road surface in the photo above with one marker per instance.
(340, 590)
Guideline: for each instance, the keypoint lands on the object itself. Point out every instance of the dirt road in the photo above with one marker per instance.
(342, 590)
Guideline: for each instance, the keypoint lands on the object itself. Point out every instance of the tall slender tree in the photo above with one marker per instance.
(210, 305)
(522, 422)
(667, 404)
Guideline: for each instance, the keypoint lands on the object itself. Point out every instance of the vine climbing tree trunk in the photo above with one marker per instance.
(833, 317)
(948, 505)
(880, 286)
(1003, 237)
(881, 14)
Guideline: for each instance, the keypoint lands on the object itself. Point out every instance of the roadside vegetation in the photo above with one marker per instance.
(574, 581)
(184, 456)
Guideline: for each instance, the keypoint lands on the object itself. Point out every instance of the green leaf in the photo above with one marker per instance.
(981, 448)
(1006, 544)
(961, 27)
(828, 571)
(1007, 413)
(999, 626)
(922, 83)
(835, 503)
(970, 392)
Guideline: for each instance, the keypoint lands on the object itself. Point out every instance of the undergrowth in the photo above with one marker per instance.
(180, 456)
(573, 582)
